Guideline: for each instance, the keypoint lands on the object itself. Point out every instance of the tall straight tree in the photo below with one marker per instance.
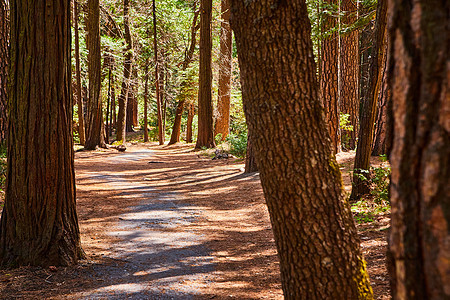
(368, 107)
(316, 238)
(127, 65)
(146, 100)
(81, 131)
(94, 126)
(4, 29)
(161, 133)
(224, 92)
(420, 155)
(205, 137)
(330, 75)
(39, 223)
(349, 73)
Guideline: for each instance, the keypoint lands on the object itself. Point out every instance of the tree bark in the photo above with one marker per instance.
(368, 110)
(4, 38)
(161, 134)
(39, 223)
(420, 185)
(95, 129)
(349, 74)
(146, 102)
(122, 113)
(205, 136)
(191, 114)
(250, 161)
(81, 131)
(224, 91)
(130, 103)
(329, 79)
(315, 234)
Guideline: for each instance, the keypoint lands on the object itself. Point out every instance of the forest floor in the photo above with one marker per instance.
(165, 222)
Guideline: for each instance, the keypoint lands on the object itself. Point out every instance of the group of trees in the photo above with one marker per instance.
(297, 80)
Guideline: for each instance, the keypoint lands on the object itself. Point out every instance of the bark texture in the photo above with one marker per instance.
(329, 80)
(250, 160)
(191, 113)
(205, 137)
(161, 133)
(223, 102)
(349, 74)
(368, 109)
(4, 37)
(94, 126)
(80, 111)
(128, 62)
(316, 238)
(420, 156)
(39, 223)
(146, 102)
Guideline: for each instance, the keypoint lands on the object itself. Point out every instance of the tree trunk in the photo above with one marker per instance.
(4, 32)
(94, 136)
(329, 79)
(250, 161)
(223, 103)
(315, 234)
(122, 113)
(191, 114)
(130, 103)
(205, 136)
(420, 156)
(381, 134)
(81, 131)
(39, 223)
(135, 88)
(146, 102)
(368, 110)
(349, 75)
(161, 134)
(176, 130)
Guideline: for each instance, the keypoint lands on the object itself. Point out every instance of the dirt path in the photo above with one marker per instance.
(166, 223)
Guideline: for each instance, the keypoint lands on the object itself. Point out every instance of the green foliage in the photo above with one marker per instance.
(346, 127)
(238, 144)
(380, 183)
(218, 139)
(3, 165)
(365, 211)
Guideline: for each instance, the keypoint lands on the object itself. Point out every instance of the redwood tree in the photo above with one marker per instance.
(223, 103)
(81, 131)
(3, 67)
(316, 238)
(39, 223)
(94, 124)
(420, 155)
(205, 137)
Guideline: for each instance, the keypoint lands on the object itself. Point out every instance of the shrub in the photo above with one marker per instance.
(238, 144)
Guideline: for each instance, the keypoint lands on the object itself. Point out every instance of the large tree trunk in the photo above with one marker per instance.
(81, 131)
(223, 103)
(39, 223)
(368, 109)
(349, 75)
(420, 156)
(4, 32)
(315, 234)
(95, 130)
(122, 113)
(205, 137)
(329, 80)
(250, 160)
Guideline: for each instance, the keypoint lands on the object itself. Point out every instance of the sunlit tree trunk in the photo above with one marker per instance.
(368, 109)
(39, 223)
(316, 238)
(205, 137)
(191, 114)
(420, 156)
(122, 113)
(223, 103)
(81, 131)
(94, 126)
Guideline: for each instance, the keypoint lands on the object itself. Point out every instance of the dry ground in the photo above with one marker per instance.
(231, 222)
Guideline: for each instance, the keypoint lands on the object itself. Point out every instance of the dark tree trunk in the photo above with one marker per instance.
(250, 161)
(130, 103)
(329, 80)
(146, 102)
(191, 114)
(176, 130)
(161, 134)
(95, 130)
(205, 136)
(39, 223)
(81, 131)
(349, 75)
(223, 102)
(108, 106)
(368, 109)
(122, 113)
(315, 234)
(4, 32)
(420, 155)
